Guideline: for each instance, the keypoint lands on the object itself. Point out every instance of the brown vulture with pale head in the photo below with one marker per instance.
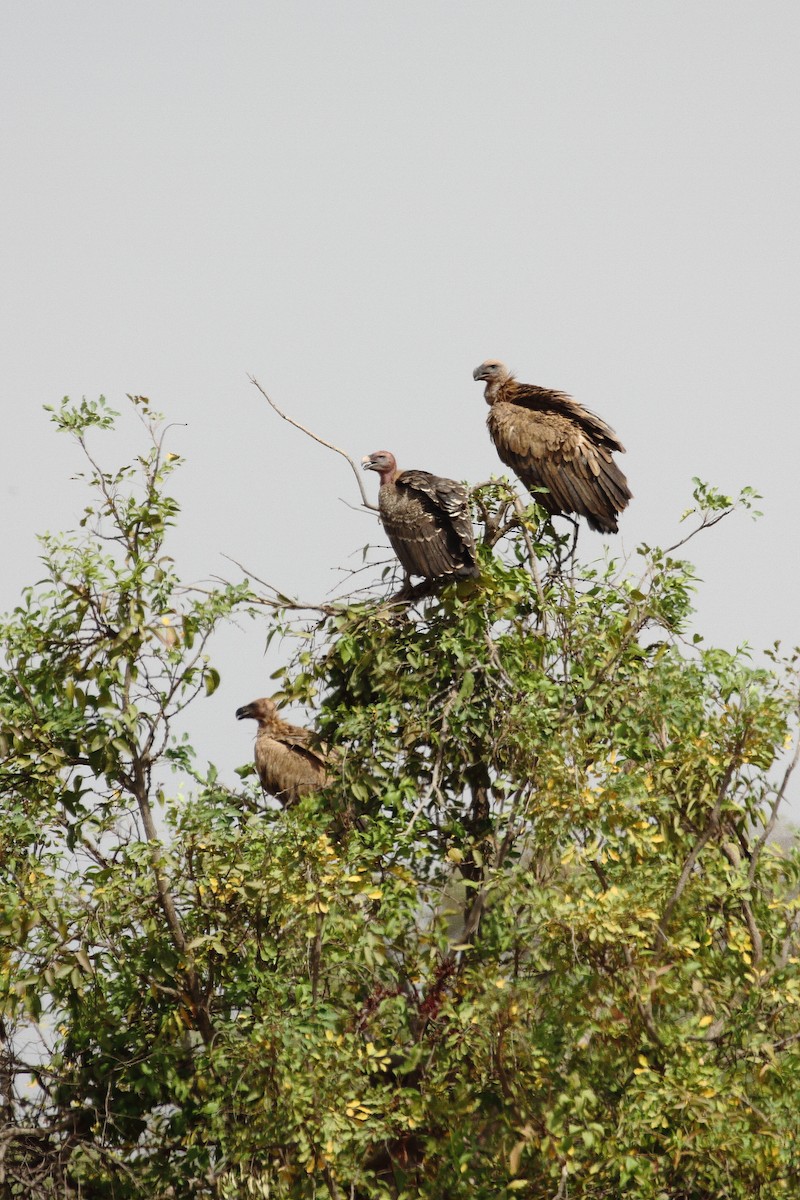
(288, 762)
(550, 441)
(426, 519)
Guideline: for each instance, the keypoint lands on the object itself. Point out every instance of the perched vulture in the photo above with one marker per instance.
(288, 765)
(426, 519)
(550, 441)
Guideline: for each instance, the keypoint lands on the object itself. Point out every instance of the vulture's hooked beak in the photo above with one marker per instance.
(367, 464)
(479, 373)
(244, 711)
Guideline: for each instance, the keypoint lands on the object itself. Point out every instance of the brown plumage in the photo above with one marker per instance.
(550, 441)
(288, 763)
(426, 519)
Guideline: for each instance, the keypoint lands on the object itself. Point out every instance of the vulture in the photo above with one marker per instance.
(551, 441)
(426, 519)
(288, 764)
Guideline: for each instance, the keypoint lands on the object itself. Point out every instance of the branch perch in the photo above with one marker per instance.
(284, 416)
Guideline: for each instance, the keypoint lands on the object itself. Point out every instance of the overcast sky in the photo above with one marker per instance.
(359, 202)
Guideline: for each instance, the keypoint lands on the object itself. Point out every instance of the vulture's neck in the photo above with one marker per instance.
(494, 388)
(388, 476)
(273, 726)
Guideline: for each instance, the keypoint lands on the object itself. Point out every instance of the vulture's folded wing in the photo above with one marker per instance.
(288, 771)
(303, 742)
(314, 755)
(546, 448)
(540, 399)
(450, 498)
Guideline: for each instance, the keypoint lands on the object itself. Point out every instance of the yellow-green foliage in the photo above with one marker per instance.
(531, 941)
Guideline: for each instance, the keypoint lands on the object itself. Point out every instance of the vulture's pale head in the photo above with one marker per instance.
(264, 711)
(492, 371)
(496, 374)
(382, 461)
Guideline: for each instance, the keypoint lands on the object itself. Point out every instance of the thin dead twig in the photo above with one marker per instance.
(315, 437)
(562, 1185)
(282, 601)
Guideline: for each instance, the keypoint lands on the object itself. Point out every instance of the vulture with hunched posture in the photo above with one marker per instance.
(426, 519)
(288, 763)
(550, 441)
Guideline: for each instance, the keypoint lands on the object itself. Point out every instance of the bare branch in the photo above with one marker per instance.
(562, 1183)
(315, 437)
(315, 958)
(788, 943)
(707, 523)
(357, 507)
(282, 601)
(755, 934)
(711, 825)
(773, 816)
(330, 1183)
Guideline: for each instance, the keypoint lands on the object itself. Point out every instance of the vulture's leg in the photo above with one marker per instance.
(406, 592)
(575, 530)
(409, 593)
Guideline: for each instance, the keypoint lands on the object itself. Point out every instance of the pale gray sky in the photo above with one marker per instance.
(358, 202)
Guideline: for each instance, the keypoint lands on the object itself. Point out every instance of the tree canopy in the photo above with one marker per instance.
(532, 939)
